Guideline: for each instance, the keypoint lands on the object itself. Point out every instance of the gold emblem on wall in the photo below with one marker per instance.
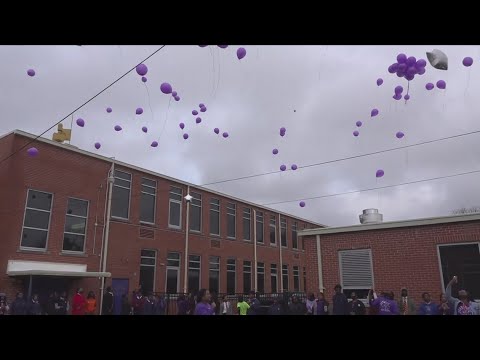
(62, 134)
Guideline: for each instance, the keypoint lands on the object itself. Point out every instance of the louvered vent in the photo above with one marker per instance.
(147, 233)
(356, 269)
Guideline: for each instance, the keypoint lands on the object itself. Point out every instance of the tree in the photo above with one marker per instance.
(472, 210)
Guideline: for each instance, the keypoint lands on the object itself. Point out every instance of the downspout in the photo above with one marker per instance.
(187, 228)
(255, 279)
(319, 264)
(280, 247)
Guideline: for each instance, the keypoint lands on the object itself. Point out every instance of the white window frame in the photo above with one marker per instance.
(294, 228)
(275, 276)
(440, 259)
(261, 272)
(261, 215)
(27, 227)
(177, 268)
(243, 274)
(218, 271)
(250, 227)
(274, 218)
(298, 276)
(288, 278)
(170, 200)
(201, 210)
(284, 221)
(212, 203)
(234, 272)
(199, 271)
(86, 228)
(154, 266)
(155, 199)
(341, 273)
(123, 187)
(232, 207)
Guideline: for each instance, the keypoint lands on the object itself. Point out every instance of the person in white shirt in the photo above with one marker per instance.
(226, 307)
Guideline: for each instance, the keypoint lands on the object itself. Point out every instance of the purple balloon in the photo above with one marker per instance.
(109, 110)
(201, 105)
(282, 134)
(141, 69)
(302, 203)
(380, 173)
(402, 67)
(421, 71)
(98, 145)
(397, 96)
(429, 86)
(80, 122)
(391, 70)
(399, 135)
(374, 112)
(185, 136)
(398, 89)
(356, 133)
(166, 88)
(216, 131)
(358, 123)
(241, 52)
(468, 61)
(275, 151)
(283, 168)
(400, 74)
(420, 64)
(154, 144)
(379, 81)
(222, 46)
(203, 109)
(174, 93)
(412, 70)
(441, 84)
(144, 129)
(32, 152)
(407, 97)
(411, 61)
(198, 120)
(182, 125)
(401, 58)
(294, 167)
(410, 77)
(139, 111)
(177, 98)
(282, 129)
(31, 72)
(144, 79)
(203, 45)
(225, 135)
(118, 128)
(194, 112)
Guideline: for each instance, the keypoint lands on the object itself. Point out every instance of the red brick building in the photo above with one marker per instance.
(53, 216)
(421, 255)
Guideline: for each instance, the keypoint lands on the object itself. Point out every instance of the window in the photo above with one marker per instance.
(247, 276)
(273, 230)
(273, 278)
(121, 194)
(260, 277)
(175, 208)
(37, 220)
(196, 212)
(305, 227)
(463, 261)
(283, 231)
(260, 231)
(214, 217)
(294, 236)
(285, 277)
(193, 273)
(247, 232)
(296, 278)
(304, 279)
(231, 276)
(173, 273)
(147, 201)
(214, 274)
(75, 225)
(148, 261)
(356, 272)
(231, 220)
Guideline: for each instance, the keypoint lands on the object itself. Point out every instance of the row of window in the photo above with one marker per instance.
(172, 283)
(121, 206)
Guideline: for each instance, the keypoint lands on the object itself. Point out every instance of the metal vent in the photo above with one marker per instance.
(356, 269)
(215, 243)
(370, 216)
(147, 233)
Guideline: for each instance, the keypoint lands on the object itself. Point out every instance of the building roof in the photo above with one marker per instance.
(391, 224)
(136, 168)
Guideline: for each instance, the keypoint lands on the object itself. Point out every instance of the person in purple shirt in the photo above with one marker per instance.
(427, 307)
(384, 303)
(203, 303)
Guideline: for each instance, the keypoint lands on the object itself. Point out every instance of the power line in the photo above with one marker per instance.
(345, 158)
(78, 108)
(375, 188)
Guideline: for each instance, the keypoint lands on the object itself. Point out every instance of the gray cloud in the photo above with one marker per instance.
(330, 88)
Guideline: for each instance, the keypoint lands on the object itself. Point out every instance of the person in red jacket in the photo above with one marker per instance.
(78, 303)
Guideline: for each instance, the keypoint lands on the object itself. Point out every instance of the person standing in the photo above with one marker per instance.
(322, 305)
(149, 305)
(90, 304)
(78, 303)
(406, 304)
(311, 304)
(191, 304)
(242, 306)
(278, 307)
(19, 306)
(182, 305)
(126, 308)
(137, 303)
(254, 304)
(61, 305)
(340, 302)
(461, 305)
(444, 308)
(356, 306)
(160, 305)
(384, 303)
(215, 303)
(427, 307)
(296, 307)
(203, 303)
(226, 307)
(4, 308)
(34, 307)
(107, 306)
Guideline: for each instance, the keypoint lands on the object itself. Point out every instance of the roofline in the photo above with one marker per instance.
(136, 168)
(392, 224)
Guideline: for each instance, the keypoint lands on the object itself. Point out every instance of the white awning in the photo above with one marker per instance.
(25, 268)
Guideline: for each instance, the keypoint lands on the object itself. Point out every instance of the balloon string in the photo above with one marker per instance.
(165, 122)
(149, 103)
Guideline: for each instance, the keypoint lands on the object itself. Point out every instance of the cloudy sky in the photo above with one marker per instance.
(316, 92)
